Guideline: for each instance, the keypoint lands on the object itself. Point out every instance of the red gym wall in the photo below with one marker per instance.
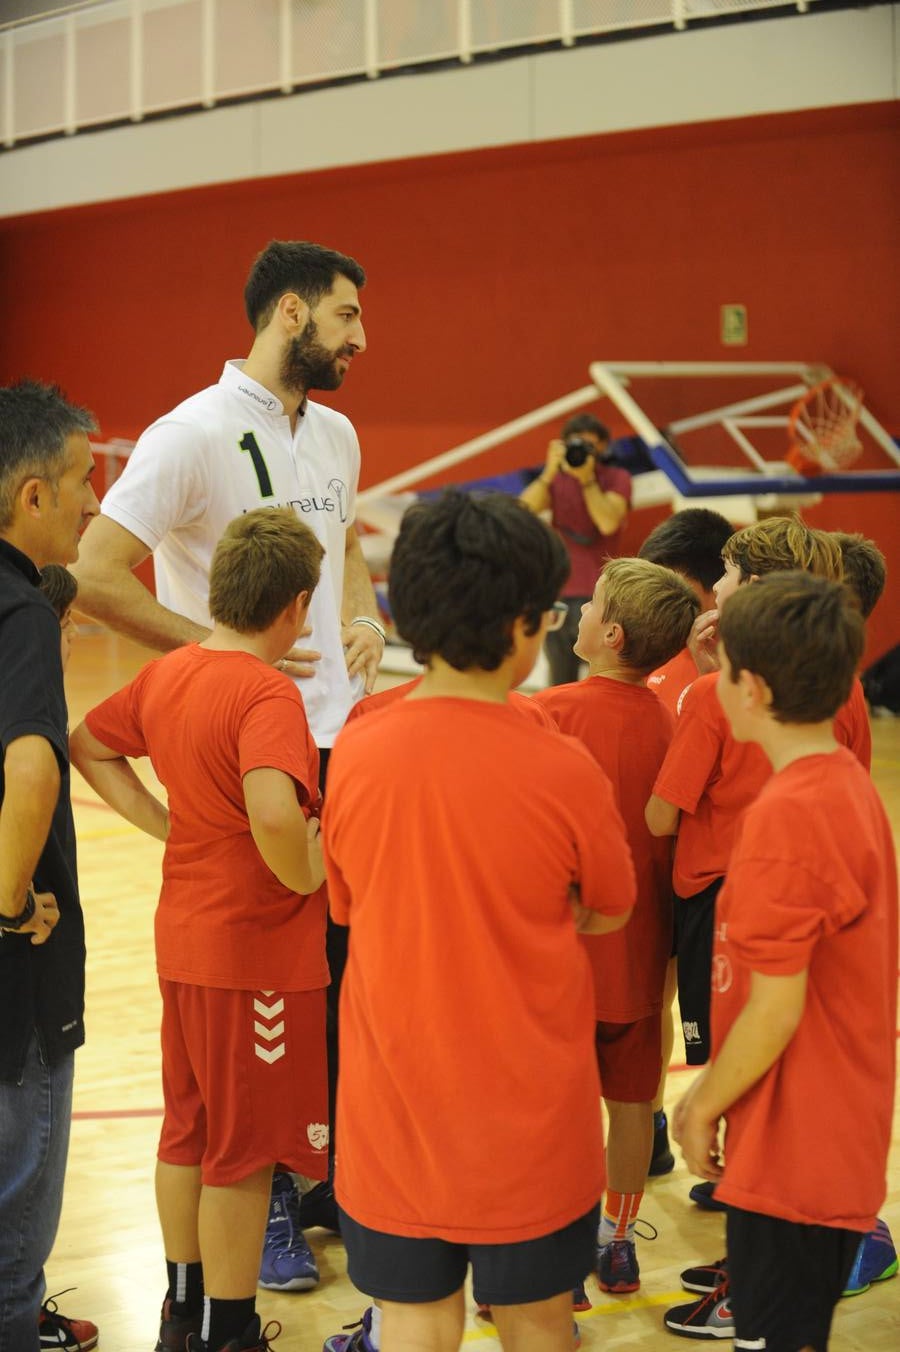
(495, 277)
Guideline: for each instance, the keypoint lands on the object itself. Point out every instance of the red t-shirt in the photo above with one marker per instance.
(712, 779)
(812, 885)
(588, 550)
(851, 725)
(670, 681)
(205, 718)
(468, 1068)
(627, 730)
(384, 698)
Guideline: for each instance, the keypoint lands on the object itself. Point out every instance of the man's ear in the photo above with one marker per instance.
(292, 312)
(32, 494)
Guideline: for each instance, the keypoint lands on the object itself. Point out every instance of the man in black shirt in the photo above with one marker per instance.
(46, 500)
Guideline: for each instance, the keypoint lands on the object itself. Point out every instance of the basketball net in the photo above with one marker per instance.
(822, 427)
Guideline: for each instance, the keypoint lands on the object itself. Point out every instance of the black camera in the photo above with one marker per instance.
(578, 450)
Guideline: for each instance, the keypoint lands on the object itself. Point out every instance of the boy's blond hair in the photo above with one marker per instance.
(654, 606)
(264, 560)
(783, 543)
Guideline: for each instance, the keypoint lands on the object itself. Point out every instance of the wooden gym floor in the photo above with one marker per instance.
(109, 1246)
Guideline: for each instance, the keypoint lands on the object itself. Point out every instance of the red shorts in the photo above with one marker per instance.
(245, 1081)
(629, 1056)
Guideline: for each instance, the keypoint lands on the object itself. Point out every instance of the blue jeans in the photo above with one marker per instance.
(35, 1116)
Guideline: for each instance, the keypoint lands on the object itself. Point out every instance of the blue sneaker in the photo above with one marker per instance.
(875, 1261)
(358, 1341)
(617, 1267)
(287, 1261)
(703, 1195)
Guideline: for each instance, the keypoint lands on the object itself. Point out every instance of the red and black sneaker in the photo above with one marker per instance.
(174, 1328)
(708, 1317)
(705, 1277)
(57, 1330)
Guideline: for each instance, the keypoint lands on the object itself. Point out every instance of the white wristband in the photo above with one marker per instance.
(373, 624)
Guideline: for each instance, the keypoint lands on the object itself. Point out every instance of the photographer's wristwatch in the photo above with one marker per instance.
(11, 923)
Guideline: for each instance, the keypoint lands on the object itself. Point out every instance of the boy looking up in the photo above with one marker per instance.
(639, 616)
(240, 927)
(462, 879)
(804, 975)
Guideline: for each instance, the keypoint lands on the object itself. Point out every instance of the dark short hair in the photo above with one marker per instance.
(294, 265)
(36, 420)
(59, 587)
(585, 422)
(263, 561)
(783, 542)
(803, 634)
(691, 542)
(865, 570)
(464, 568)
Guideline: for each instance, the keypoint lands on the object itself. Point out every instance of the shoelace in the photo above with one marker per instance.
(269, 1333)
(291, 1203)
(713, 1298)
(649, 1231)
(51, 1314)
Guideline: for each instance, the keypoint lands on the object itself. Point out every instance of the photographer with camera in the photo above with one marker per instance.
(588, 501)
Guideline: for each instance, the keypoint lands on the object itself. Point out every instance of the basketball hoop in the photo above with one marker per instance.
(822, 427)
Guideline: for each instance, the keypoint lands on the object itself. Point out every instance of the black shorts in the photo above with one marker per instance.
(785, 1280)
(416, 1271)
(695, 921)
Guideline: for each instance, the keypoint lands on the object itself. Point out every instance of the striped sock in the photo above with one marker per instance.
(185, 1286)
(620, 1211)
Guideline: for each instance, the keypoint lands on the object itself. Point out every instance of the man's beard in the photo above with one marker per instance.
(308, 365)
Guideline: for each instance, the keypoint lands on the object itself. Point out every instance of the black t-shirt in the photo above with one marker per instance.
(41, 985)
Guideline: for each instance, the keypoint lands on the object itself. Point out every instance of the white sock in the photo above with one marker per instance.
(375, 1331)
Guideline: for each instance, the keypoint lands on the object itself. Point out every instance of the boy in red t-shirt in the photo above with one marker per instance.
(708, 779)
(804, 975)
(639, 616)
(459, 839)
(240, 927)
(690, 542)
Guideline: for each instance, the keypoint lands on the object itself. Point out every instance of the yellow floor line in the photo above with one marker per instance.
(621, 1305)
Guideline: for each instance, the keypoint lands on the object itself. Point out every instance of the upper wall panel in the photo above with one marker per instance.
(782, 64)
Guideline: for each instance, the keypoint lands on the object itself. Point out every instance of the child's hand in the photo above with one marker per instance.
(697, 1136)
(703, 642)
(45, 918)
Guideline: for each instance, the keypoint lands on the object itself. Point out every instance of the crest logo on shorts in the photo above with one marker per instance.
(317, 1134)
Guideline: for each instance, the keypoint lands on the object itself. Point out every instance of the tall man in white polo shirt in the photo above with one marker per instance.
(252, 440)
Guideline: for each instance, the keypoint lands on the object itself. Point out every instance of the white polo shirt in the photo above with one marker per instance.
(226, 451)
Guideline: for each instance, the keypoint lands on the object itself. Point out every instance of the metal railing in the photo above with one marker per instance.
(110, 61)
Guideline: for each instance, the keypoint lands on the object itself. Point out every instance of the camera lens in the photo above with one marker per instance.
(577, 451)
